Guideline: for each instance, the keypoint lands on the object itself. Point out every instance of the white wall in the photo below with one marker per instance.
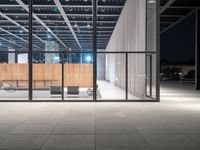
(11, 56)
(128, 35)
(22, 58)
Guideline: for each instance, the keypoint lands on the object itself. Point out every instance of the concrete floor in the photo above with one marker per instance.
(172, 124)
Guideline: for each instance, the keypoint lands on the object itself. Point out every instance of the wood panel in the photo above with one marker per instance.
(46, 75)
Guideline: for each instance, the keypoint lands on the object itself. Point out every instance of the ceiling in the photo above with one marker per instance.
(174, 11)
(69, 22)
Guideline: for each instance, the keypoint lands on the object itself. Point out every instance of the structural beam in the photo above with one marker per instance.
(197, 78)
(66, 6)
(167, 5)
(77, 14)
(58, 4)
(177, 22)
(16, 36)
(17, 24)
(4, 39)
(41, 22)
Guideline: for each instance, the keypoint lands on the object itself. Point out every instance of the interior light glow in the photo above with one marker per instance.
(88, 58)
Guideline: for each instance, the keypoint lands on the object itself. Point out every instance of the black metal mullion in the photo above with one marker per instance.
(158, 52)
(62, 76)
(94, 50)
(30, 53)
(197, 53)
(126, 76)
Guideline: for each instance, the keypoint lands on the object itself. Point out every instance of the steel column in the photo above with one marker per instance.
(63, 79)
(197, 64)
(94, 50)
(158, 53)
(30, 53)
(126, 76)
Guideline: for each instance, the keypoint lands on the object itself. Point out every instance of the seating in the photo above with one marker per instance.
(55, 90)
(73, 90)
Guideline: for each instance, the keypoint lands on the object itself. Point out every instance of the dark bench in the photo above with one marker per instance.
(55, 90)
(73, 90)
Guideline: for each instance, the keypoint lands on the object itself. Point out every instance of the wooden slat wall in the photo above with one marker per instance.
(74, 74)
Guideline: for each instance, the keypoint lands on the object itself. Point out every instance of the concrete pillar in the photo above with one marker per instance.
(51, 58)
(197, 78)
(11, 56)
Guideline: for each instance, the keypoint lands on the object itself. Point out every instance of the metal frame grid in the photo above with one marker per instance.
(94, 52)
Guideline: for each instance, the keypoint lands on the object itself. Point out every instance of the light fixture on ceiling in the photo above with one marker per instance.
(151, 1)
(88, 25)
(20, 31)
(102, 9)
(49, 36)
(86, 9)
(75, 25)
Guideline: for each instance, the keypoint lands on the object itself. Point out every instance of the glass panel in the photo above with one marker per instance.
(13, 76)
(47, 76)
(111, 76)
(141, 76)
(13, 38)
(106, 21)
(78, 77)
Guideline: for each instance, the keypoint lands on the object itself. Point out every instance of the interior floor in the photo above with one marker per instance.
(106, 91)
(172, 124)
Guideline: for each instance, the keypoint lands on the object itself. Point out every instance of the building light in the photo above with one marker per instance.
(152, 1)
(88, 58)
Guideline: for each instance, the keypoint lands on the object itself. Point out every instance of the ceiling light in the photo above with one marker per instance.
(88, 25)
(20, 31)
(49, 36)
(86, 9)
(102, 9)
(75, 25)
(152, 1)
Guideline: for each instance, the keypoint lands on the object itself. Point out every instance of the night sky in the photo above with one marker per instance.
(178, 43)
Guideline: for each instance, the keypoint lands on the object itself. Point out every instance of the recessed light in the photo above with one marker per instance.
(152, 1)
(75, 25)
(88, 25)
(20, 31)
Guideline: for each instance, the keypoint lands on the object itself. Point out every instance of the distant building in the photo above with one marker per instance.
(178, 71)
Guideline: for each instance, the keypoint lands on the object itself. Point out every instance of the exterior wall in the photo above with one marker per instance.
(128, 35)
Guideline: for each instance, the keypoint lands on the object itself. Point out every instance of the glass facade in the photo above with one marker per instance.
(61, 61)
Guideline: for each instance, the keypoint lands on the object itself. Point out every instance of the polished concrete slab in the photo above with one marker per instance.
(172, 124)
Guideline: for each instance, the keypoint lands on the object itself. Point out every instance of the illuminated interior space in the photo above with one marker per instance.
(80, 50)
